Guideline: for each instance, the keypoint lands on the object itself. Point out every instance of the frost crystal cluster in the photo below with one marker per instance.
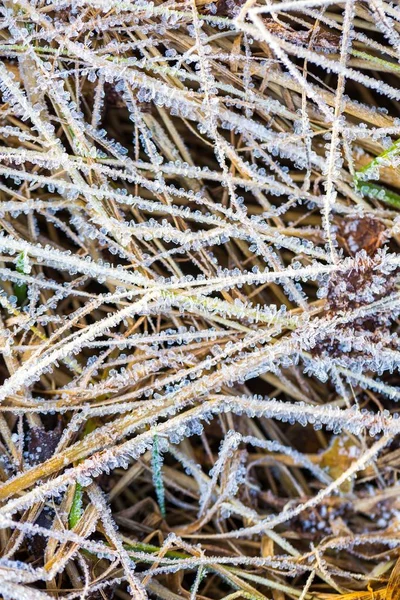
(199, 301)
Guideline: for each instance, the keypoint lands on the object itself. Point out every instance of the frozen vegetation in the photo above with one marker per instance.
(199, 303)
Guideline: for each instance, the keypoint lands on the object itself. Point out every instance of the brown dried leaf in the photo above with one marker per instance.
(41, 444)
(338, 458)
(364, 233)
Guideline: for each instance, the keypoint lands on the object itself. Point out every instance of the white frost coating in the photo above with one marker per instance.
(193, 210)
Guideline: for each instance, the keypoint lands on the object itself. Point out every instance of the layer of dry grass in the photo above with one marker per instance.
(199, 306)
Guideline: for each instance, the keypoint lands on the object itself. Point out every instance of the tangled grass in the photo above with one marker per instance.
(199, 299)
